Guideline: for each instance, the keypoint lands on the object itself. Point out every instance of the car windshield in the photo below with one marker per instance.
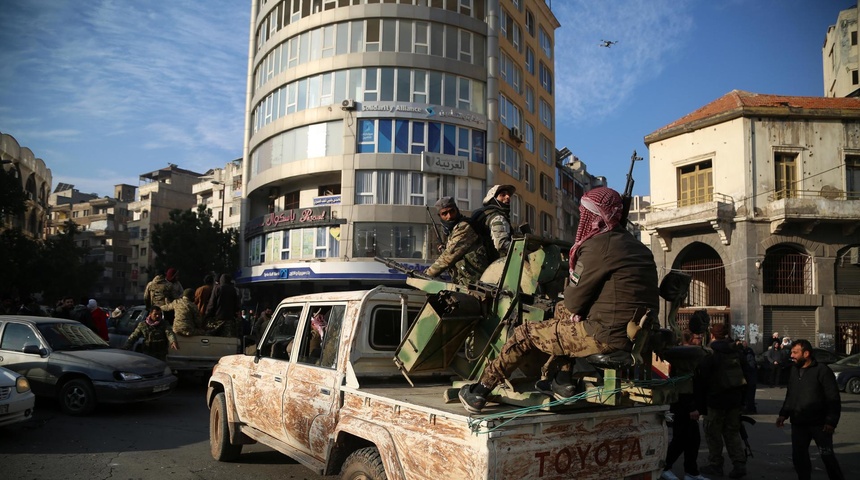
(71, 336)
(852, 361)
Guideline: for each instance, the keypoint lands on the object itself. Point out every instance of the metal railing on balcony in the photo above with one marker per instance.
(825, 193)
(690, 201)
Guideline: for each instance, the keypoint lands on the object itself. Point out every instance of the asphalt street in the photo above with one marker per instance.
(169, 438)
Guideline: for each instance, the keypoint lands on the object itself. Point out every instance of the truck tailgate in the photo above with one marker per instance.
(592, 443)
(200, 352)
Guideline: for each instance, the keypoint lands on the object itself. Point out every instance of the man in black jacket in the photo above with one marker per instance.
(813, 404)
(724, 376)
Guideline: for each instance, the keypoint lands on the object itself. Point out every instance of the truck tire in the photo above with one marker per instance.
(77, 397)
(219, 433)
(363, 464)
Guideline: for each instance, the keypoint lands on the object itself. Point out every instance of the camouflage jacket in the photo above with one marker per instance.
(156, 339)
(492, 221)
(465, 255)
(187, 320)
(158, 292)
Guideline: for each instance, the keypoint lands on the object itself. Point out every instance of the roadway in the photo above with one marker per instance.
(169, 438)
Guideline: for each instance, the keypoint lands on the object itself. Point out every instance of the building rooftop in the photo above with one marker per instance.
(739, 103)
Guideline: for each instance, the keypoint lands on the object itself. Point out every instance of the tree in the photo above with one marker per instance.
(12, 197)
(53, 268)
(66, 271)
(191, 243)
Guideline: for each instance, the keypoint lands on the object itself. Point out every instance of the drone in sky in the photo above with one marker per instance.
(607, 43)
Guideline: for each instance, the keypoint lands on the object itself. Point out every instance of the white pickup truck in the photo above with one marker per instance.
(323, 389)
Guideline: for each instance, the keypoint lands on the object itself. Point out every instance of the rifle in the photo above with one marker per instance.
(401, 268)
(627, 197)
(435, 229)
(745, 437)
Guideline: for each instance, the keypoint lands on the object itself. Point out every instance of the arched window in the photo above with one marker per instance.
(787, 270)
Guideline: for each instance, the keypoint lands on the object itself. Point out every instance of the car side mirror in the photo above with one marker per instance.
(33, 349)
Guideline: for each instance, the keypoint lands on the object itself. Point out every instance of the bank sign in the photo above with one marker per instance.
(289, 219)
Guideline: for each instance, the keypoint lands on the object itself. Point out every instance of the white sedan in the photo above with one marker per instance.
(16, 398)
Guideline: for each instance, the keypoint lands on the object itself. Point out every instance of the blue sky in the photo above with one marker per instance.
(104, 90)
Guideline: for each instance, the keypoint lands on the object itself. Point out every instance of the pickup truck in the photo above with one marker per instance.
(321, 388)
(196, 354)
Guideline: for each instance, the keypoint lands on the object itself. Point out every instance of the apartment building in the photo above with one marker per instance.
(102, 228)
(362, 113)
(840, 56)
(35, 178)
(159, 192)
(757, 197)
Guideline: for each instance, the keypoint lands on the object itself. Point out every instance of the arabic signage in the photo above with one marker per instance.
(289, 219)
(444, 164)
(327, 200)
(423, 111)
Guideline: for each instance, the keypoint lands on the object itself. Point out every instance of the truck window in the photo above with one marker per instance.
(279, 338)
(321, 336)
(385, 327)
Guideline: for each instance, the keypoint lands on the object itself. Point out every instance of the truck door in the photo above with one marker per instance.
(313, 383)
(266, 378)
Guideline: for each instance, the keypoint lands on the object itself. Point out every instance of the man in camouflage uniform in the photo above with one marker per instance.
(465, 255)
(613, 280)
(493, 220)
(158, 292)
(187, 320)
(156, 333)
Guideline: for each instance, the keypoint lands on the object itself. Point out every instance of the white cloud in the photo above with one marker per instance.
(593, 81)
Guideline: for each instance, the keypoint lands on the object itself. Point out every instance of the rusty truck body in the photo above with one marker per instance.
(322, 388)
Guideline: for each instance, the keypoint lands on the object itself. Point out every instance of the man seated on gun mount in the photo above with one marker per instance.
(613, 280)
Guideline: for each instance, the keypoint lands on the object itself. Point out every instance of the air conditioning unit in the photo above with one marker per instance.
(854, 255)
(516, 134)
(348, 105)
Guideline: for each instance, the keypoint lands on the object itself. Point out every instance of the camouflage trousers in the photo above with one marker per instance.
(724, 426)
(559, 336)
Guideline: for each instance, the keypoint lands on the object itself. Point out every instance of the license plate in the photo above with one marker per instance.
(160, 388)
(4, 408)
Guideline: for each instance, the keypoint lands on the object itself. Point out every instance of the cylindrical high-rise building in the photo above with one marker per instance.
(361, 113)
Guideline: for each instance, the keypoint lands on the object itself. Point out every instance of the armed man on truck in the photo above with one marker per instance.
(613, 281)
(465, 254)
(493, 220)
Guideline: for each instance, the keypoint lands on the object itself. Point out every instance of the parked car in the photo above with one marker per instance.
(120, 329)
(822, 355)
(847, 373)
(16, 398)
(68, 361)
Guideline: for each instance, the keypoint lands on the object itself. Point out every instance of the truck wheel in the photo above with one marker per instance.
(77, 397)
(219, 433)
(363, 464)
(853, 386)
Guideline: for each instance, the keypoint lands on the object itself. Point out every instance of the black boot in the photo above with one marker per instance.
(474, 397)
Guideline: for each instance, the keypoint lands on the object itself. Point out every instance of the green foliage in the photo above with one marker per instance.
(53, 268)
(191, 243)
(12, 196)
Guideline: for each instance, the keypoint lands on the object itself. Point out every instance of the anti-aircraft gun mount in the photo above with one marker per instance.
(462, 328)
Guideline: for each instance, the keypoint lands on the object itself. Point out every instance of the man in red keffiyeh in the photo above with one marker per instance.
(613, 280)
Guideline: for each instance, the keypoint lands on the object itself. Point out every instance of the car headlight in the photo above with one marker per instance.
(127, 376)
(22, 385)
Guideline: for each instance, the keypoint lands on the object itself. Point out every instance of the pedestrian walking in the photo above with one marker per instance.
(813, 404)
(685, 424)
(774, 363)
(724, 376)
(99, 319)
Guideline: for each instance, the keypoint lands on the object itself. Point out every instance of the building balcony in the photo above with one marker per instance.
(807, 209)
(717, 211)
